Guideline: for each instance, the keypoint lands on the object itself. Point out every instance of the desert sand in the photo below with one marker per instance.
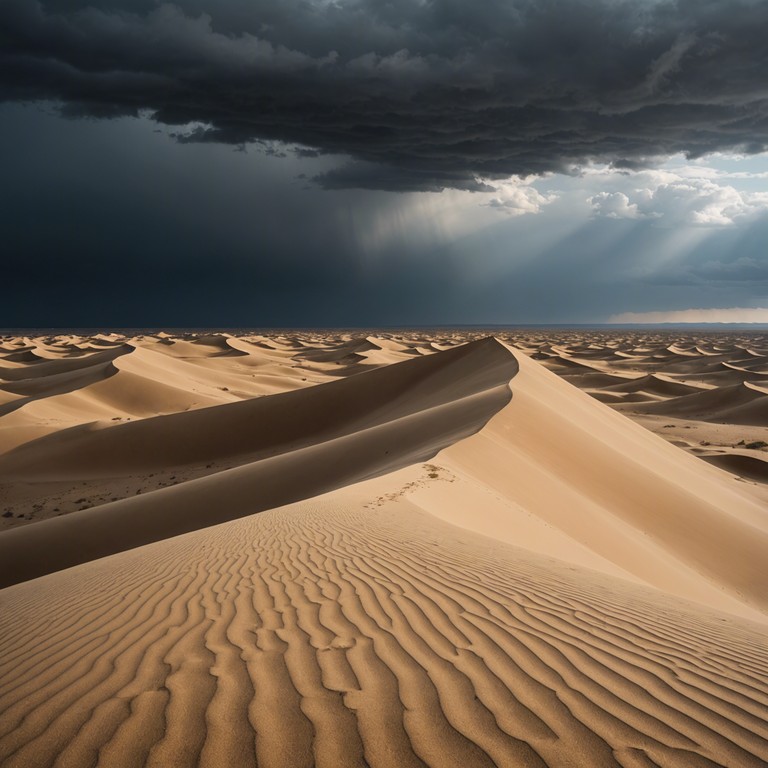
(448, 548)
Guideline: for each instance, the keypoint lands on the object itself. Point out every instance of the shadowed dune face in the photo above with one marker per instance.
(287, 447)
(256, 428)
(557, 587)
(68, 386)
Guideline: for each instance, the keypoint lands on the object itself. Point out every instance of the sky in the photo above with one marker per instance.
(271, 163)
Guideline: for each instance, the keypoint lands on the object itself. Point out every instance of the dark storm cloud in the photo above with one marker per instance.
(422, 94)
(362, 175)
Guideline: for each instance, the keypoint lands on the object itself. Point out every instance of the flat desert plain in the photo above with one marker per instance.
(448, 549)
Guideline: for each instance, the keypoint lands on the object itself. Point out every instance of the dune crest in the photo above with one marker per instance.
(618, 490)
(289, 447)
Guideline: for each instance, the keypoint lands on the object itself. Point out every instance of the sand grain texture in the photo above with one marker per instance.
(376, 550)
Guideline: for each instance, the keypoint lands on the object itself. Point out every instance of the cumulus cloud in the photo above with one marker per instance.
(421, 95)
(726, 315)
(687, 197)
(615, 205)
(517, 197)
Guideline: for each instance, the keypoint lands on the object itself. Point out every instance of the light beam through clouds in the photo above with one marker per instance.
(372, 163)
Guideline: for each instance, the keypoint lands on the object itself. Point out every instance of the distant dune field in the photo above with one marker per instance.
(389, 549)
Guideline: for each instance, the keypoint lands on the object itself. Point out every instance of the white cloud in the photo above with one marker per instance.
(726, 315)
(615, 205)
(518, 196)
(690, 196)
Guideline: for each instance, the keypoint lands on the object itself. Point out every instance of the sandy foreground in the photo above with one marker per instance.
(395, 549)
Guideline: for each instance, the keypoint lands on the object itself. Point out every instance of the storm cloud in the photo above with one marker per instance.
(419, 94)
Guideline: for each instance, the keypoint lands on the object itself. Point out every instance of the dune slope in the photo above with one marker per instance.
(557, 587)
(265, 426)
(339, 433)
(334, 634)
(621, 491)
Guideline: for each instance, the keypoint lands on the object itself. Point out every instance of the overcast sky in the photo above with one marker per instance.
(360, 162)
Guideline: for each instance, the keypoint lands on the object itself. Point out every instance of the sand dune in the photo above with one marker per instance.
(331, 634)
(292, 446)
(260, 427)
(129, 386)
(740, 463)
(37, 387)
(691, 390)
(744, 403)
(421, 553)
(41, 368)
(655, 384)
(619, 490)
(203, 346)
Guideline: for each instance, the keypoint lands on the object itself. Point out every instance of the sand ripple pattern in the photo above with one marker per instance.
(329, 634)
